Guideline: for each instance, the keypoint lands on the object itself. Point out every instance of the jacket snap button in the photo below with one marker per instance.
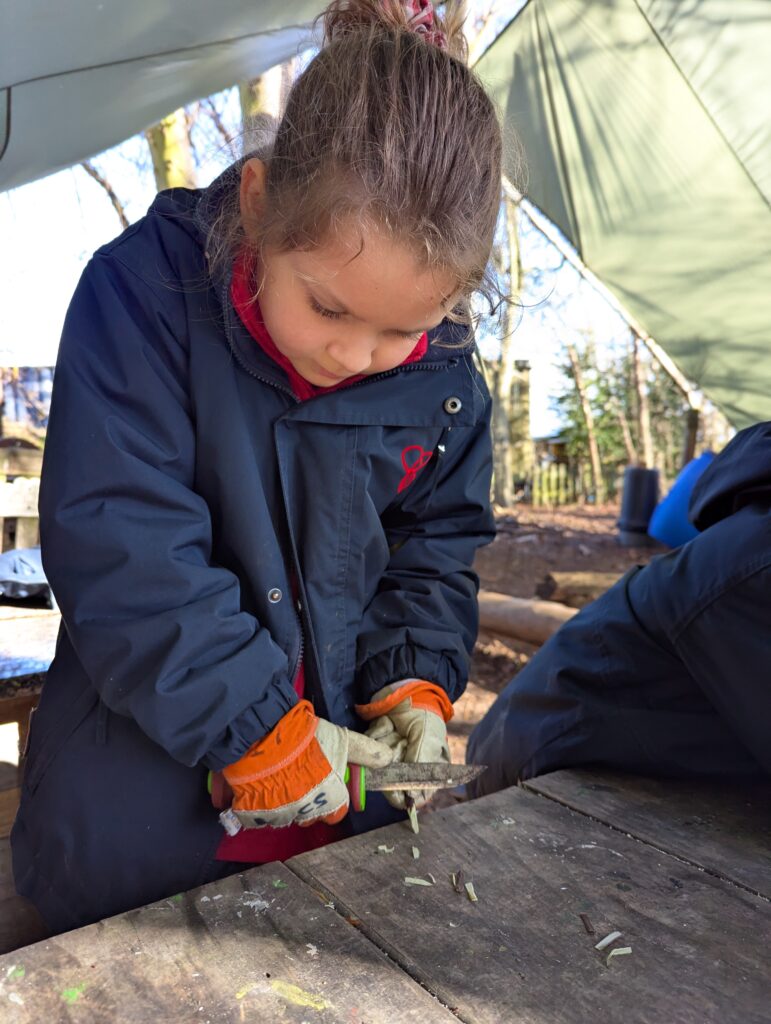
(452, 405)
(274, 595)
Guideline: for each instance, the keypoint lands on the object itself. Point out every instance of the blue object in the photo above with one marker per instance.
(670, 523)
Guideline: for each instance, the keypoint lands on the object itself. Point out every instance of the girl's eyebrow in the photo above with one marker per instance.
(340, 307)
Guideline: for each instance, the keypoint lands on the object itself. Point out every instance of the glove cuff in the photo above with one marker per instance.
(289, 739)
(424, 695)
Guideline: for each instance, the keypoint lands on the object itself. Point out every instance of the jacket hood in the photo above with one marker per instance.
(739, 475)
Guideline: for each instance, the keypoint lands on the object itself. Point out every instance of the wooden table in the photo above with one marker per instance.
(683, 872)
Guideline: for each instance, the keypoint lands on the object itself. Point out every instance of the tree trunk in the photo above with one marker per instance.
(626, 433)
(643, 408)
(691, 432)
(505, 375)
(532, 621)
(594, 451)
(170, 149)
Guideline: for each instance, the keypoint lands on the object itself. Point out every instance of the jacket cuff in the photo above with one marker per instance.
(397, 664)
(250, 727)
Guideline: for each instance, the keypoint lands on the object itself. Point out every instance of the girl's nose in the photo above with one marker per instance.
(353, 356)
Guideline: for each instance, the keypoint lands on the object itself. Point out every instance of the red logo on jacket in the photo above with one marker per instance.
(414, 458)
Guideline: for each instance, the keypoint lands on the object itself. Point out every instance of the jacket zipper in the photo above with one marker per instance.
(299, 603)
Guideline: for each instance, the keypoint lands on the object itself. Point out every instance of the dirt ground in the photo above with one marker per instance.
(530, 544)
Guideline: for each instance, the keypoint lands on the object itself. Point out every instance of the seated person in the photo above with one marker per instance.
(669, 672)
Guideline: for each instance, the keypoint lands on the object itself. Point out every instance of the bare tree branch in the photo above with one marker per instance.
(100, 179)
(214, 114)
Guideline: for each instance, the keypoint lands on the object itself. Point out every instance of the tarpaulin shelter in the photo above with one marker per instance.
(644, 122)
(80, 76)
(647, 135)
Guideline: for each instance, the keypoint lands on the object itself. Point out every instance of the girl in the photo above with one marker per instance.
(266, 475)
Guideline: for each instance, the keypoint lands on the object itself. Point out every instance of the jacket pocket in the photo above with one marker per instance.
(55, 731)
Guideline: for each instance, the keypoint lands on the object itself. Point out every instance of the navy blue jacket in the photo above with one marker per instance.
(184, 490)
(669, 672)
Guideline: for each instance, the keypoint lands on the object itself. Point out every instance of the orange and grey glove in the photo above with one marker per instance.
(296, 774)
(410, 717)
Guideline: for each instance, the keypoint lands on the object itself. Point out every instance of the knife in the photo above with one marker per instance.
(405, 776)
(360, 780)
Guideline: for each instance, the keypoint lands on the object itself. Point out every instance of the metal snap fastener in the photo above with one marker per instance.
(452, 405)
(274, 595)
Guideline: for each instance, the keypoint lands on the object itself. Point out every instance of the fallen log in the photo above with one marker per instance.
(524, 619)
(575, 588)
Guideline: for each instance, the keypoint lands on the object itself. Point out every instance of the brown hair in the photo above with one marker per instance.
(385, 128)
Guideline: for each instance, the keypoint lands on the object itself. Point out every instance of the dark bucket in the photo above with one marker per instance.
(639, 499)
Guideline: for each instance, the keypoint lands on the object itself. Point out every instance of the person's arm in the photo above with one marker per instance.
(422, 622)
(725, 642)
(127, 540)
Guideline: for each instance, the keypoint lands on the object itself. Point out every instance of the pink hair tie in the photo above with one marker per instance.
(421, 13)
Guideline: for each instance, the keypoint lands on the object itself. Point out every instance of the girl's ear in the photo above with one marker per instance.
(252, 194)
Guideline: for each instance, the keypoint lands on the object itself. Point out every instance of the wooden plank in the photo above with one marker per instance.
(19, 498)
(9, 804)
(724, 828)
(27, 532)
(16, 708)
(521, 953)
(20, 923)
(260, 946)
(21, 461)
(27, 645)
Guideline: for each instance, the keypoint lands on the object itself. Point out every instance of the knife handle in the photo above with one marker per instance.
(356, 781)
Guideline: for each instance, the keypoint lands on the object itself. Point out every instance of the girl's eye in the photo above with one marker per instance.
(409, 337)
(323, 311)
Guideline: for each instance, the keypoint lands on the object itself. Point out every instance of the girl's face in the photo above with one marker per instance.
(356, 306)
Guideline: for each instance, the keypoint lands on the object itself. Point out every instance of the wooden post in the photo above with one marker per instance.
(691, 432)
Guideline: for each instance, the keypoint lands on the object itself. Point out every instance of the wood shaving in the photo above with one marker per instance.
(385, 849)
(412, 814)
(620, 951)
(416, 881)
(471, 893)
(607, 940)
(456, 878)
(415, 853)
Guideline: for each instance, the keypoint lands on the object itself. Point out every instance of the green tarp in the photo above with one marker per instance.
(79, 76)
(647, 136)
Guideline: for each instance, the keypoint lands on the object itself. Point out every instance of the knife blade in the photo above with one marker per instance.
(437, 775)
